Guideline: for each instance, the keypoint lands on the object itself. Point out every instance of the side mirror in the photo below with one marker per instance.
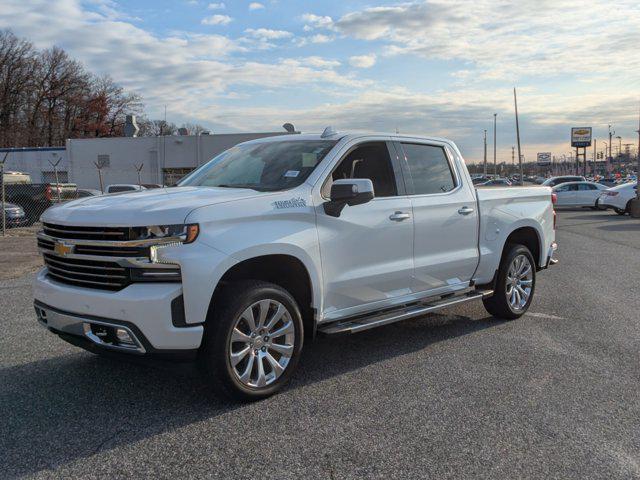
(351, 191)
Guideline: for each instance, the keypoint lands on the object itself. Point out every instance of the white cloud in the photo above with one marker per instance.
(320, 38)
(255, 6)
(320, 62)
(363, 61)
(216, 6)
(317, 21)
(216, 20)
(267, 34)
(504, 41)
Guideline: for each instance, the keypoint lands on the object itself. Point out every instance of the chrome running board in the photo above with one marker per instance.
(359, 324)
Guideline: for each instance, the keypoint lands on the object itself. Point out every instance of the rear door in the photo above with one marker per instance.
(566, 195)
(587, 194)
(445, 245)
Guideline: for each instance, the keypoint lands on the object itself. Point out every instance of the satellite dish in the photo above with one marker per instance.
(289, 127)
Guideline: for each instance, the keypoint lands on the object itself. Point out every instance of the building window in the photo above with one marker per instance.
(50, 176)
(104, 161)
(171, 176)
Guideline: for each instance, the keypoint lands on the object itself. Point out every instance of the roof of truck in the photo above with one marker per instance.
(341, 135)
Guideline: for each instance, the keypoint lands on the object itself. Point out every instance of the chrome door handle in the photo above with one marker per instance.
(465, 210)
(399, 216)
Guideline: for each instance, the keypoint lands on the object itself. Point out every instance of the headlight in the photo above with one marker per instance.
(173, 235)
(180, 233)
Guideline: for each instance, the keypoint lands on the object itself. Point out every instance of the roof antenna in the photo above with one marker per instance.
(397, 131)
(289, 127)
(328, 132)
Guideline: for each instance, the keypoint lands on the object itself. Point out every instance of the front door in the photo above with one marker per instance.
(367, 252)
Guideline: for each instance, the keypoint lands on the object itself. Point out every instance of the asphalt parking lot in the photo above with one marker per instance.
(554, 394)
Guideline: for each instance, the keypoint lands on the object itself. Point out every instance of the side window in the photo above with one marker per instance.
(586, 186)
(574, 187)
(564, 188)
(370, 160)
(429, 169)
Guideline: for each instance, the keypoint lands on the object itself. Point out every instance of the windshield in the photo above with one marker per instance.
(265, 166)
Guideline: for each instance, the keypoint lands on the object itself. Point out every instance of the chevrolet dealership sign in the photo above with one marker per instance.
(581, 137)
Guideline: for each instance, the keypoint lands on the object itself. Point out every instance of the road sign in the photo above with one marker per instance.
(544, 158)
(581, 137)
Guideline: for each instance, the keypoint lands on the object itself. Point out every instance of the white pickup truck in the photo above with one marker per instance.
(280, 238)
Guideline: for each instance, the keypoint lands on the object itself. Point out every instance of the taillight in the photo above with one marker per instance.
(554, 219)
(554, 198)
(47, 193)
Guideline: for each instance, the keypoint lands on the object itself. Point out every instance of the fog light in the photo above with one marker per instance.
(123, 337)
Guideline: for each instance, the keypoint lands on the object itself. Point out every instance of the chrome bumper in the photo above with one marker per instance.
(87, 327)
(550, 260)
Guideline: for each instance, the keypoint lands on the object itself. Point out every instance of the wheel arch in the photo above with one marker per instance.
(283, 269)
(528, 236)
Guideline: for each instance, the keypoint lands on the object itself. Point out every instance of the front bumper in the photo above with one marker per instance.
(146, 310)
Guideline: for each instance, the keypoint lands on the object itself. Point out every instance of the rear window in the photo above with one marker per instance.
(429, 169)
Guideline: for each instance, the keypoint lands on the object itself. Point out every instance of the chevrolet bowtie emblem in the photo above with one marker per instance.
(62, 249)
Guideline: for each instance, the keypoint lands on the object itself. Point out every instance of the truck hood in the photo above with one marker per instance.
(161, 206)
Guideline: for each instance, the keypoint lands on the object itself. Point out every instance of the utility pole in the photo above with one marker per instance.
(513, 159)
(611, 134)
(495, 162)
(515, 102)
(485, 153)
(595, 155)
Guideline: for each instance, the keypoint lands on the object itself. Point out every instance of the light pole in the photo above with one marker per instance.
(495, 162)
(611, 134)
(485, 153)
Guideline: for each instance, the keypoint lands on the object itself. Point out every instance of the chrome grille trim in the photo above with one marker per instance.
(99, 263)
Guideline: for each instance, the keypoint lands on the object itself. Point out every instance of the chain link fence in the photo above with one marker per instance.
(23, 202)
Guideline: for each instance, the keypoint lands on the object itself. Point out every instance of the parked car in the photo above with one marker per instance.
(480, 180)
(88, 192)
(617, 198)
(496, 182)
(578, 194)
(553, 181)
(124, 187)
(14, 215)
(35, 198)
(282, 237)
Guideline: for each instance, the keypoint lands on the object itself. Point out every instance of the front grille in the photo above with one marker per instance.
(87, 273)
(87, 233)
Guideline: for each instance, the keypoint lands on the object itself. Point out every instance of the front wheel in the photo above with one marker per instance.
(252, 341)
(515, 284)
(619, 211)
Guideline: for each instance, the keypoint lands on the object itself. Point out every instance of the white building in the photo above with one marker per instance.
(164, 159)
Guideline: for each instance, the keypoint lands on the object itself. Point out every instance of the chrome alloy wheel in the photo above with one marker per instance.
(262, 343)
(519, 282)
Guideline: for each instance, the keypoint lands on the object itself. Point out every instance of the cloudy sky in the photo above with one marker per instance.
(428, 67)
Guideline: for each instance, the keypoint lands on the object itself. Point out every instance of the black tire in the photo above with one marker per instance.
(215, 350)
(619, 211)
(498, 305)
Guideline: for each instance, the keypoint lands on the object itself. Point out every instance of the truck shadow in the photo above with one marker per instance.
(66, 408)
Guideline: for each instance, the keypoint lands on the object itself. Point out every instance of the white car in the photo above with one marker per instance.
(578, 194)
(553, 181)
(282, 237)
(617, 198)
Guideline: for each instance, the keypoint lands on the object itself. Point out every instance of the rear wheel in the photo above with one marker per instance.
(252, 341)
(515, 284)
